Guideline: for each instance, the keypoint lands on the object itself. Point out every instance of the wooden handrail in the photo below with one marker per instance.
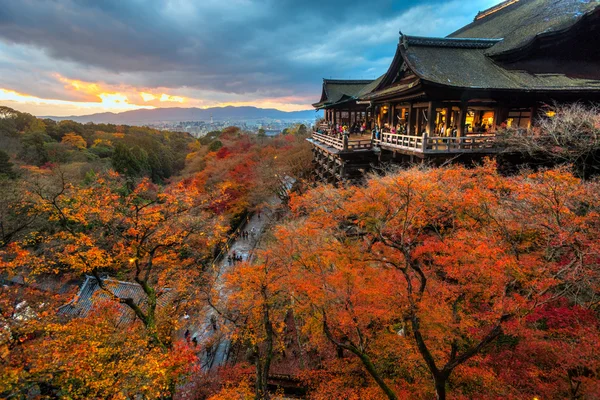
(338, 143)
(419, 144)
(438, 144)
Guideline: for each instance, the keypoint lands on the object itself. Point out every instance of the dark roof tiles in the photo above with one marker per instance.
(336, 91)
(465, 43)
(520, 22)
(90, 292)
(471, 68)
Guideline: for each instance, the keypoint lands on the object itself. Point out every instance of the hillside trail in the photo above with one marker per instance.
(210, 335)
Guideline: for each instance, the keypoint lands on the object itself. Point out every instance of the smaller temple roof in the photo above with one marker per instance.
(90, 292)
(336, 91)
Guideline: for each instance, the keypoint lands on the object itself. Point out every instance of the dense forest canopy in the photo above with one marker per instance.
(133, 151)
(454, 282)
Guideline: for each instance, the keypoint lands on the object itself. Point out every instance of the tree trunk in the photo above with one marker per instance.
(262, 372)
(373, 372)
(369, 366)
(263, 364)
(440, 387)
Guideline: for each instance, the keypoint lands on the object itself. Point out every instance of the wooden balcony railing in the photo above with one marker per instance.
(341, 144)
(441, 144)
(419, 144)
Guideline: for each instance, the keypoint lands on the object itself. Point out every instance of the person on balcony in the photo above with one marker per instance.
(376, 132)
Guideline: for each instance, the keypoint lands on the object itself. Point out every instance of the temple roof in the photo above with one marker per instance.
(519, 22)
(470, 67)
(336, 91)
(91, 292)
(490, 54)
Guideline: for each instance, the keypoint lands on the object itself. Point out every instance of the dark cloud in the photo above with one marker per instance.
(271, 47)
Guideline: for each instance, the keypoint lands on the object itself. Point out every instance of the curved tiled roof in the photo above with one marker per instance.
(90, 293)
(471, 68)
(519, 22)
(336, 91)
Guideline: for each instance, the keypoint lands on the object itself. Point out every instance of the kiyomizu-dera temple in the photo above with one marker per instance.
(446, 96)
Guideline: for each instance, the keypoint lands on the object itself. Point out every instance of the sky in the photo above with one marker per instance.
(77, 57)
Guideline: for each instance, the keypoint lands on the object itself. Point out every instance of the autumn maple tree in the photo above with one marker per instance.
(158, 237)
(145, 233)
(255, 302)
(436, 265)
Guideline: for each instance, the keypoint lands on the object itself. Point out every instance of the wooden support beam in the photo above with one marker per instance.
(411, 120)
(431, 117)
(419, 121)
(448, 124)
(462, 118)
(534, 114)
(500, 115)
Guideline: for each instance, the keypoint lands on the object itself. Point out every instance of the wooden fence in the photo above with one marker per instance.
(418, 144)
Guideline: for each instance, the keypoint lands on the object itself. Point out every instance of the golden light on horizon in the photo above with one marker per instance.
(113, 98)
(176, 99)
(102, 97)
(147, 96)
(112, 101)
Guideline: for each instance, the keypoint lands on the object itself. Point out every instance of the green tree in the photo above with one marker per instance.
(261, 134)
(6, 165)
(302, 130)
(130, 161)
(216, 145)
(34, 150)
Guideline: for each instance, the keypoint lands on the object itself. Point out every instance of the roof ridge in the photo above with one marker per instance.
(467, 43)
(494, 9)
(348, 81)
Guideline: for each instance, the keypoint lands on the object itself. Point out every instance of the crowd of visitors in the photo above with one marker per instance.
(362, 128)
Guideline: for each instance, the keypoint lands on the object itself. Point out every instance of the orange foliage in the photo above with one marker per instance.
(74, 140)
(424, 270)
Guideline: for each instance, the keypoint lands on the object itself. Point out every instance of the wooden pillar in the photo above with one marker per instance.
(431, 117)
(500, 115)
(534, 112)
(462, 118)
(448, 125)
(390, 115)
(411, 120)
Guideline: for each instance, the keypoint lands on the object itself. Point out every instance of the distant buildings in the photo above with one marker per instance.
(201, 128)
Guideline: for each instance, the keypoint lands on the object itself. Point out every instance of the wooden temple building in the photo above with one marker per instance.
(446, 97)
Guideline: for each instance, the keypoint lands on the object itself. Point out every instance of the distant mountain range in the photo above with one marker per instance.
(141, 117)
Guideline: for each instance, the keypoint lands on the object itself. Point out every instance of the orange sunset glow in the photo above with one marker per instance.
(82, 97)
